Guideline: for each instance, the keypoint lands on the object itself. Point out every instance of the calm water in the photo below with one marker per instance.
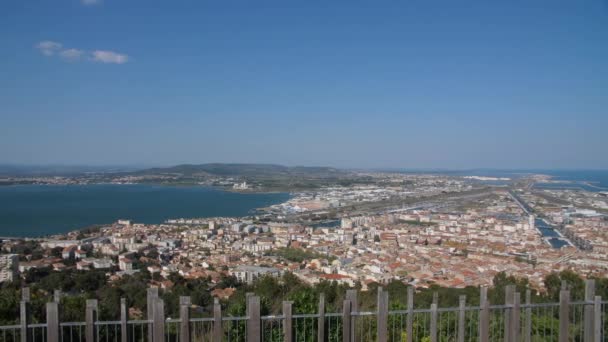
(594, 181)
(549, 231)
(32, 210)
(598, 178)
(590, 180)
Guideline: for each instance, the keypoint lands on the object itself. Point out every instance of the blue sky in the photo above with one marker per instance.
(412, 84)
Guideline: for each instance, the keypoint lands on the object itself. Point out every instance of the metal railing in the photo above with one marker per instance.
(513, 321)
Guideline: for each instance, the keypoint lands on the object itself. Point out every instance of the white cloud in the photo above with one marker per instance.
(91, 2)
(48, 48)
(71, 54)
(109, 57)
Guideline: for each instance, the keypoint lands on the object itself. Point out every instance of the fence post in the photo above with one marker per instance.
(151, 295)
(589, 304)
(90, 317)
(218, 335)
(509, 292)
(564, 311)
(434, 314)
(354, 307)
(321, 322)
(124, 317)
(287, 326)
(484, 315)
(382, 325)
(184, 318)
(52, 322)
(410, 314)
(462, 302)
(24, 314)
(253, 320)
(597, 317)
(346, 320)
(528, 330)
(159, 320)
(515, 324)
(57, 296)
(433, 322)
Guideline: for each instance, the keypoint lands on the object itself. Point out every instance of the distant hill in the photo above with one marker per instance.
(57, 170)
(245, 170)
(185, 170)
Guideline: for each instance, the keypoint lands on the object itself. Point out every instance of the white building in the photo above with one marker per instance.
(125, 264)
(9, 264)
(346, 223)
(531, 222)
(240, 186)
(248, 274)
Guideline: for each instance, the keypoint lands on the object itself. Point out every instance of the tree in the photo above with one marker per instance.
(89, 281)
(56, 252)
(305, 300)
(496, 294)
(57, 281)
(9, 306)
(109, 307)
(34, 275)
(576, 285)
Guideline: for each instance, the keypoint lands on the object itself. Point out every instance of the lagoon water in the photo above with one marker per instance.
(38, 210)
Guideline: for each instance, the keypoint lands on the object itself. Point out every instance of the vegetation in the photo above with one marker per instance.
(417, 223)
(298, 255)
(80, 286)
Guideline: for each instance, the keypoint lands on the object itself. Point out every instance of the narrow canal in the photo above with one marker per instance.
(546, 230)
(549, 232)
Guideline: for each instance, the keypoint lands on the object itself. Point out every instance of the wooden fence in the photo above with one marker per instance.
(518, 319)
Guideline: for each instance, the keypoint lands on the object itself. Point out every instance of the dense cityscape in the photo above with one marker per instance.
(303, 171)
(419, 229)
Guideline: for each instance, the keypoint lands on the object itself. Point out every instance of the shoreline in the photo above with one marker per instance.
(94, 205)
(175, 185)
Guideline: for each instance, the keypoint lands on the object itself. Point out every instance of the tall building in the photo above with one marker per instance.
(531, 221)
(346, 223)
(9, 264)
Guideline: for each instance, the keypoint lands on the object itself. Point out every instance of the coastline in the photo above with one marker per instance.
(177, 185)
(45, 210)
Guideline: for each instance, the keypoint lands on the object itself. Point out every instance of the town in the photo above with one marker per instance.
(420, 230)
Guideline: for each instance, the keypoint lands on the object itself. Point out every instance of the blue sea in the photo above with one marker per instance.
(590, 180)
(38, 210)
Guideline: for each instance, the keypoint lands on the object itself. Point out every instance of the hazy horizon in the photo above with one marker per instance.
(388, 168)
(375, 85)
